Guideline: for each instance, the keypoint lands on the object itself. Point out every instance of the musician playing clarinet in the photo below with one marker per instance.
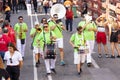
(89, 29)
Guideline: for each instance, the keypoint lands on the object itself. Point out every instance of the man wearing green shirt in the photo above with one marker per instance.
(56, 26)
(89, 32)
(77, 41)
(21, 28)
(37, 50)
(48, 37)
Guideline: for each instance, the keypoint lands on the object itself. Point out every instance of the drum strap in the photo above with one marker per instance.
(45, 39)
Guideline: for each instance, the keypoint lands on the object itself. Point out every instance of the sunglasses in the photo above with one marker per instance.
(11, 60)
(55, 17)
(45, 26)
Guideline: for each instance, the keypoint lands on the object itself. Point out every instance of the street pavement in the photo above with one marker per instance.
(102, 68)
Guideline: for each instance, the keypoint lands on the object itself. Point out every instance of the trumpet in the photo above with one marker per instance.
(39, 29)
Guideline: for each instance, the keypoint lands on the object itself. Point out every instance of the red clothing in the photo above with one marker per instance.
(69, 14)
(11, 34)
(101, 37)
(4, 40)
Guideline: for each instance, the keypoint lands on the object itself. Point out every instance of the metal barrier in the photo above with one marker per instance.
(94, 7)
(97, 7)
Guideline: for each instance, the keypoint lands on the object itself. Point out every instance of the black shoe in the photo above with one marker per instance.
(89, 64)
(48, 74)
(23, 58)
(112, 56)
(38, 61)
(37, 64)
(118, 56)
(54, 71)
(80, 70)
(106, 55)
(99, 56)
(79, 73)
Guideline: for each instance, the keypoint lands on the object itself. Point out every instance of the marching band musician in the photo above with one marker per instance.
(77, 40)
(34, 33)
(48, 37)
(21, 28)
(56, 26)
(89, 31)
(101, 36)
(43, 20)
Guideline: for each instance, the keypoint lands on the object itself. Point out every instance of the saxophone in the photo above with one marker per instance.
(20, 32)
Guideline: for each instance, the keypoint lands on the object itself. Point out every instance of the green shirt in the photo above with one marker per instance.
(78, 40)
(57, 30)
(20, 29)
(44, 37)
(37, 33)
(89, 35)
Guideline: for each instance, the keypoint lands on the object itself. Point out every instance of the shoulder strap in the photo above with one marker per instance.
(34, 38)
(51, 36)
(76, 35)
(57, 26)
(44, 40)
(44, 37)
(93, 23)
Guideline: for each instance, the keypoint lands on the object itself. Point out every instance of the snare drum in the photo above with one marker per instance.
(83, 49)
(50, 51)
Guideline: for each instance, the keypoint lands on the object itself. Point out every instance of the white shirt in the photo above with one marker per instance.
(15, 58)
(101, 29)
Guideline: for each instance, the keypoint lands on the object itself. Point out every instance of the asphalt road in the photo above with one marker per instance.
(102, 69)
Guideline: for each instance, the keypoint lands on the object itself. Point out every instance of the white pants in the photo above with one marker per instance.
(37, 50)
(21, 47)
(59, 42)
(90, 43)
(50, 64)
(79, 58)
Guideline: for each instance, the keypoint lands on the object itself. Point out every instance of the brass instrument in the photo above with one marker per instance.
(58, 9)
(20, 32)
(39, 30)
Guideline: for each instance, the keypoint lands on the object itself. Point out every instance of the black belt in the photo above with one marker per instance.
(12, 65)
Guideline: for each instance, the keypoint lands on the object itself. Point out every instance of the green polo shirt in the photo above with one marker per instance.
(77, 39)
(18, 30)
(44, 37)
(37, 33)
(57, 30)
(89, 35)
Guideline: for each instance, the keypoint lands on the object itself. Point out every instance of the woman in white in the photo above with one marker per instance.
(14, 61)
